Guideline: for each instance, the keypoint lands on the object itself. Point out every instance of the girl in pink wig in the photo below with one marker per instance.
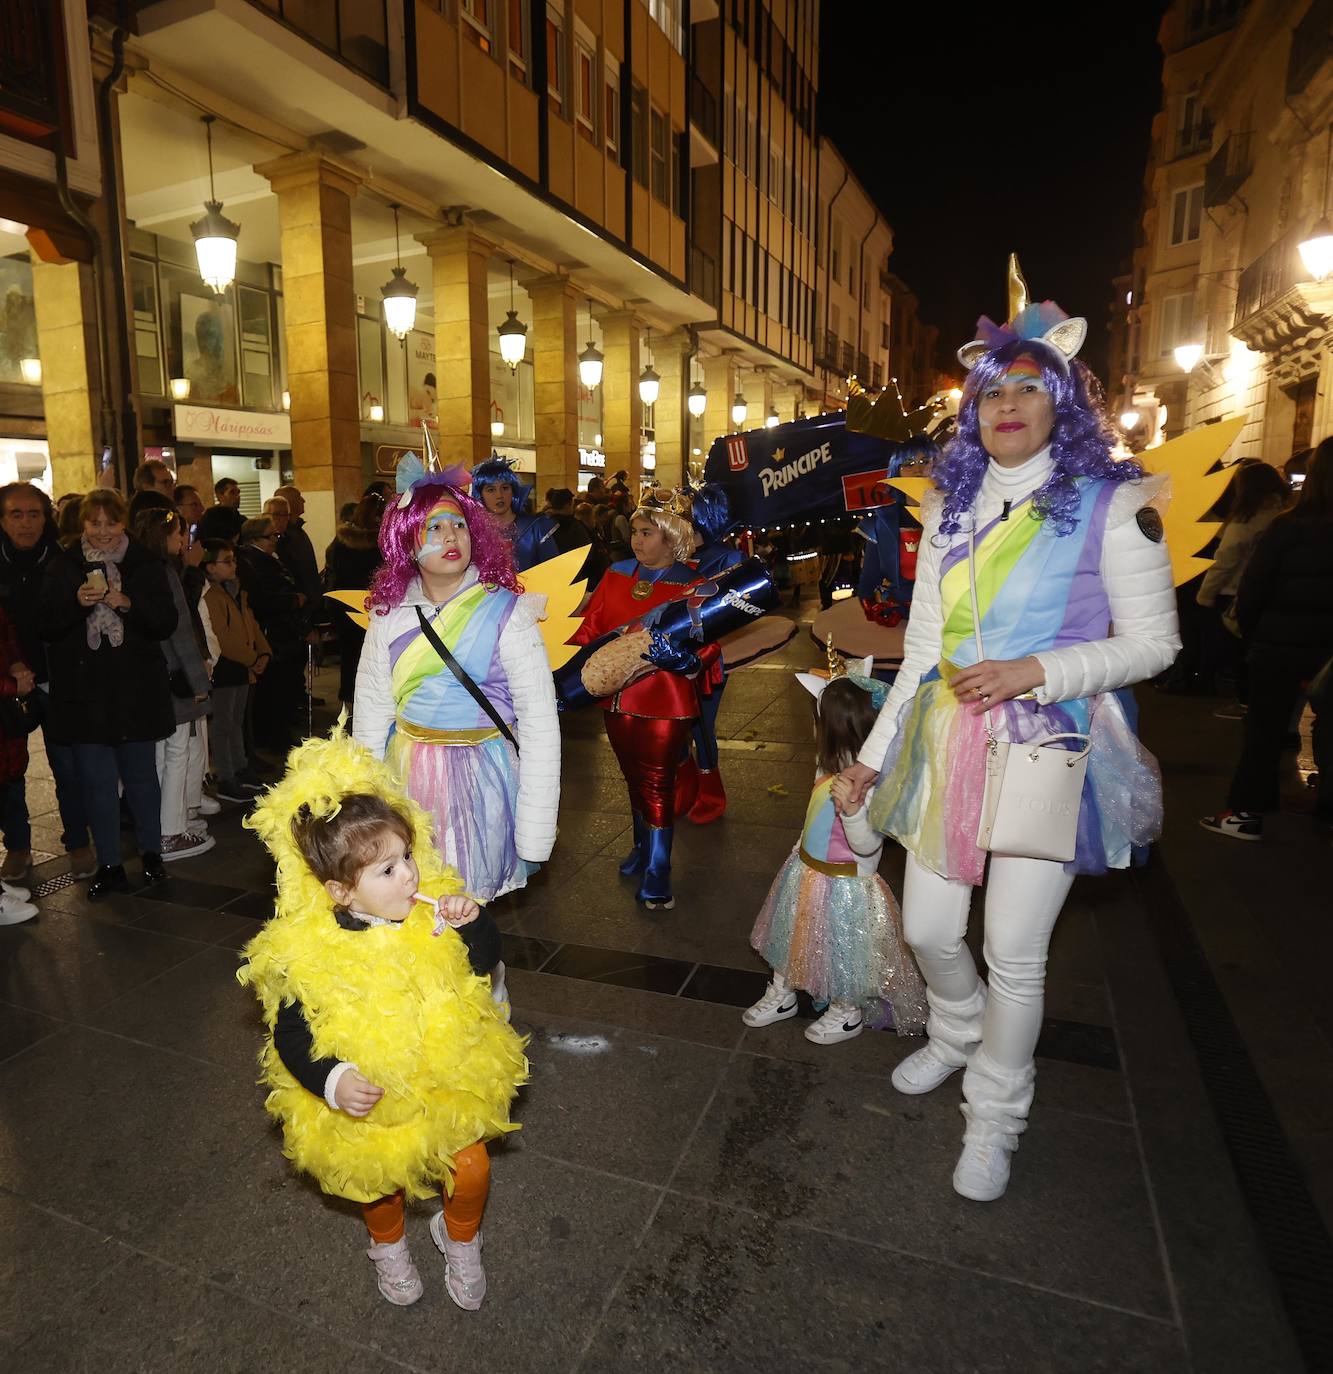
(454, 687)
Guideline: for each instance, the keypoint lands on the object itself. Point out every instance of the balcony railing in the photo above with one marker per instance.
(863, 367)
(1227, 170)
(1270, 276)
(828, 350)
(876, 376)
(354, 30)
(703, 111)
(847, 358)
(1311, 44)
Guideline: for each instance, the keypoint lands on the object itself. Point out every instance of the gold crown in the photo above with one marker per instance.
(886, 418)
(674, 502)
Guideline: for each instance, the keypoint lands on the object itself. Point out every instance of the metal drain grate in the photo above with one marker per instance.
(49, 885)
(1292, 1232)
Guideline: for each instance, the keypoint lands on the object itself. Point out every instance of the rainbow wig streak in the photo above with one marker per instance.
(1081, 439)
(400, 536)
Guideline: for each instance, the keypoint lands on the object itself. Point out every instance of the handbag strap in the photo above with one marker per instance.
(461, 673)
(976, 619)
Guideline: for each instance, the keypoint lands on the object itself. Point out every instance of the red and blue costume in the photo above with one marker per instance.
(648, 722)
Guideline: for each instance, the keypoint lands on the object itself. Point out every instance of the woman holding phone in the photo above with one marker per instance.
(106, 607)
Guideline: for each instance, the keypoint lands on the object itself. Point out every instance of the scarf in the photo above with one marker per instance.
(104, 623)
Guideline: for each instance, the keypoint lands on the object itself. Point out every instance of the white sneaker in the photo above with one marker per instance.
(982, 1172)
(463, 1275)
(777, 1004)
(923, 1071)
(208, 806)
(15, 890)
(837, 1023)
(395, 1273)
(14, 910)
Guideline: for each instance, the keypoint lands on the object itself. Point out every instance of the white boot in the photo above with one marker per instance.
(954, 1029)
(996, 1102)
(982, 1171)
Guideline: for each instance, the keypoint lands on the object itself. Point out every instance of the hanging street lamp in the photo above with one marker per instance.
(739, 410)
(650, 383)
(1317, 250)
(400, 295)
(513, 332)
(590, 360)
(214, 234)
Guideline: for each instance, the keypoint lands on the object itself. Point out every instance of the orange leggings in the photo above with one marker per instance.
(462, 1211)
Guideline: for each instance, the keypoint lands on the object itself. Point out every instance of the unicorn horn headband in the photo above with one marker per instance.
(1043, 323)
(412, 471)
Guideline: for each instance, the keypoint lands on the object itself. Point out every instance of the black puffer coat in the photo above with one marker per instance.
(108, 695)
(1285, 602)
(274, 598)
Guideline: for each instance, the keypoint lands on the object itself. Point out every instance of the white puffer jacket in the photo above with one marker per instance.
(531, 687)
(1145, 633)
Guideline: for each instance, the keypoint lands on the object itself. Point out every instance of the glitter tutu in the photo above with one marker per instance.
(933, 779)
(841, 940)
(472, 792)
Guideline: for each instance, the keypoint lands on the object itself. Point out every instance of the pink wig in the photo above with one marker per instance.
(400, 536)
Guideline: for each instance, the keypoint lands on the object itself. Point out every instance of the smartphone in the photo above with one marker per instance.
(96, 579)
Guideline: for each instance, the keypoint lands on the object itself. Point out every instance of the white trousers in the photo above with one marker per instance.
(991, 1028)
(180, 774)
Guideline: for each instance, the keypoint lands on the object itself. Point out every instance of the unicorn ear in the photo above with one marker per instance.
(972, 353)
(864, 668)
(813, 683)
(1067, 336)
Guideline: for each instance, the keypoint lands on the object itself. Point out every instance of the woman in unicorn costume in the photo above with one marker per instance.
(1076, 604)
(488, 773)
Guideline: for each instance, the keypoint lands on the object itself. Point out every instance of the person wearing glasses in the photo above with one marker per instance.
(278, 606)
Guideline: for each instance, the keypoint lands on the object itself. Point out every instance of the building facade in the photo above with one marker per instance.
(1219, 268)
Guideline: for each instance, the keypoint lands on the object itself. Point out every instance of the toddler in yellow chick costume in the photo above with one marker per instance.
(387, 1061)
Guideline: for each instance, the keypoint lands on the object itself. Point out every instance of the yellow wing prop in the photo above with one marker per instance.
(558, 580)
(1194, 490)
(914, 488)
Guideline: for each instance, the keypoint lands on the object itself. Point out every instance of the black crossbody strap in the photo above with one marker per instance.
(457, 669)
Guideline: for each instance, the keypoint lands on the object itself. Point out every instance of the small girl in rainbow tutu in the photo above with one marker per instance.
(830, 926)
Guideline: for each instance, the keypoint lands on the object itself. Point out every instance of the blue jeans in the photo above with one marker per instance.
(14, 820)
(134, 765)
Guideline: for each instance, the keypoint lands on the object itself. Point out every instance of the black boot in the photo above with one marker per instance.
(108, 878)
(154, 870)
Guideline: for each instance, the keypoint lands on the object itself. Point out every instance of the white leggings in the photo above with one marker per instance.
(991, 1028)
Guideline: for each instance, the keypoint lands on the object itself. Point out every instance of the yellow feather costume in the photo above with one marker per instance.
(398, 1001)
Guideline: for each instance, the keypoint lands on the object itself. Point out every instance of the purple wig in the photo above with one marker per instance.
(400, 536)
(1080, 439)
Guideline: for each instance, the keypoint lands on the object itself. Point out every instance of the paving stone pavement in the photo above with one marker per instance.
(685, 1192)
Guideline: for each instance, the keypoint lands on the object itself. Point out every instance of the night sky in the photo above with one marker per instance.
(985, 130)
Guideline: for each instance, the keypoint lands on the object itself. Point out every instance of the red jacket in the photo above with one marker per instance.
(659, 695)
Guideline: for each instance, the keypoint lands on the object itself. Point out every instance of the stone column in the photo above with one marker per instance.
(555, 382)
(670, 418)
(720, 382)
(786, 398)
(459, 260)
(71, 391)
(315, 216)
(622, 410)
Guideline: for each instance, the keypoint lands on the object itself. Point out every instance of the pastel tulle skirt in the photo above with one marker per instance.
(934, 776)
(472, 791)
(841, 940)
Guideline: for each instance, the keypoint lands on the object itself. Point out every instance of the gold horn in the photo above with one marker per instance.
(836, 667)
(430, 454)
(1018, 288)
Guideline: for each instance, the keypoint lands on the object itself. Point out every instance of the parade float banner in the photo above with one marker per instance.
(805, 470)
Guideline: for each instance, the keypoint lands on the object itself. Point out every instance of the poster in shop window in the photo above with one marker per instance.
(208, 350)
(422, 393)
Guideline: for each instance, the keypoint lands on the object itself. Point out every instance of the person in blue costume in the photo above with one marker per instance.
(500, 489)
(700, 796)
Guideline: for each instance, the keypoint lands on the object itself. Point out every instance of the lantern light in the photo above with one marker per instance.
(31, 370)
(697, 400)
(739, 410)
(1317, 250)
(376, 413)
(772, 421)
(1188, 355)
(1128, 419)
(590, 360)
(286, 400)
(650, 382)
(180, 388)
(400, 295)
(214, 234)
(513, 332)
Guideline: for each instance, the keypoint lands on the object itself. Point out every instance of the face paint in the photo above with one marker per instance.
(445, 515)
(1023, 370)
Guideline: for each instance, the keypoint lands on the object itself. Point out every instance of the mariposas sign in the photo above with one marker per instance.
(232, 428)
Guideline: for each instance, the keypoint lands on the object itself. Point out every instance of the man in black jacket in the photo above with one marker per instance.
(224, 520)
(27, 544)
(298, 554)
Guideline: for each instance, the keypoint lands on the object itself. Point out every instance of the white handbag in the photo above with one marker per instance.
(1034, 791)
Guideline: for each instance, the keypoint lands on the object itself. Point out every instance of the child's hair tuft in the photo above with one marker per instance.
(339, 847)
